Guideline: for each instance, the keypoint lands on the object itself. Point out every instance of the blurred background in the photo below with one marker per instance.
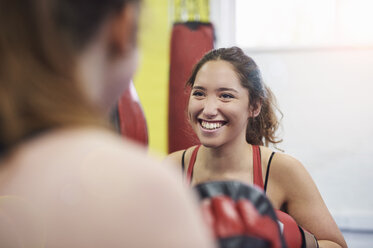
(316, 56)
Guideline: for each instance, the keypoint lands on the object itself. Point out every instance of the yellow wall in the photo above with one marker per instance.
(151, 79)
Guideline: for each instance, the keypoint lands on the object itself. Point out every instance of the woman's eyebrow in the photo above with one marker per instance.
(198, 88)
(218, 90)
(227, 89)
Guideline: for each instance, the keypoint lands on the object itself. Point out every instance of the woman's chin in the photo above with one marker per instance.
(210, 144)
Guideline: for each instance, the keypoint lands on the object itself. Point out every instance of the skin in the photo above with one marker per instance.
(86, 187)
(225, 154)
(106, 72)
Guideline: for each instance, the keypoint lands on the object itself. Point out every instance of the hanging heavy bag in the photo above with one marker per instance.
(189, 42)
(128, 117)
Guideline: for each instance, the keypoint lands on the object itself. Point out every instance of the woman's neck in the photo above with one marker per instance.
(229, 157)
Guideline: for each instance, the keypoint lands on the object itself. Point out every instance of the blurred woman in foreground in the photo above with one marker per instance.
(65, 179)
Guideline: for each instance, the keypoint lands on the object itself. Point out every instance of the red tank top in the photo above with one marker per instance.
(257, 170)
(290, 229)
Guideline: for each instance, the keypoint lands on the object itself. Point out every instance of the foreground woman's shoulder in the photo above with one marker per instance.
(91, 182)
(178, 157)
(87, 149)
(175, 157)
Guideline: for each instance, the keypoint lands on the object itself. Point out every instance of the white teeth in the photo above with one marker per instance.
(210, 125)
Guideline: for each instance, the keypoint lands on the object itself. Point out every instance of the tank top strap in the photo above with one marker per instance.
(257, 167)
(191, 164)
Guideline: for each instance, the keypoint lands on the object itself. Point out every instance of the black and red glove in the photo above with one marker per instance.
(239, 215)
(294, 235)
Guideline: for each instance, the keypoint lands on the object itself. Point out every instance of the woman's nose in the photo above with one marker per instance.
(210, 108)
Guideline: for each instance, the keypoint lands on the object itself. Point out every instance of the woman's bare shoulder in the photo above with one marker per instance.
(90, 151)
(281, 161)
(303, 199)
(177, 157)
(111, 184)
(286, 172)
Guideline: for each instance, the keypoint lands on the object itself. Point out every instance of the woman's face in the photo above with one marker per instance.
(123, 63)
(218, 105)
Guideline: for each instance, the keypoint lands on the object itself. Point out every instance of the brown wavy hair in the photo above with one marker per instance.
(261, 130)
(39, 44)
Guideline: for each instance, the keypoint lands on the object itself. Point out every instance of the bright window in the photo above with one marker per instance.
(303, 23)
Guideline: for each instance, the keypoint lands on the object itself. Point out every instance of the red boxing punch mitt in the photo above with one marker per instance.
(239, 215)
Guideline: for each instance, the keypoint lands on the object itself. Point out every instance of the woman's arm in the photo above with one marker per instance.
(304, 202)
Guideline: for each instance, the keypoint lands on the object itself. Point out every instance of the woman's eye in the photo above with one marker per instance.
(226, 96)
(197, 93)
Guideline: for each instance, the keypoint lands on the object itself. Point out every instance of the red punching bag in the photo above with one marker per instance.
(189, 42)
(129, 117)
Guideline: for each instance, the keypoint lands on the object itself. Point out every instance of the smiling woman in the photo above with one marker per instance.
(233, 114)
(236, 79)
(218, 105)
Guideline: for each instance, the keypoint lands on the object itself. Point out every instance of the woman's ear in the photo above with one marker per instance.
(255, 109)
(123, 30)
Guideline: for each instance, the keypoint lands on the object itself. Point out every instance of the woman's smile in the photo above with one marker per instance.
(211, 125)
